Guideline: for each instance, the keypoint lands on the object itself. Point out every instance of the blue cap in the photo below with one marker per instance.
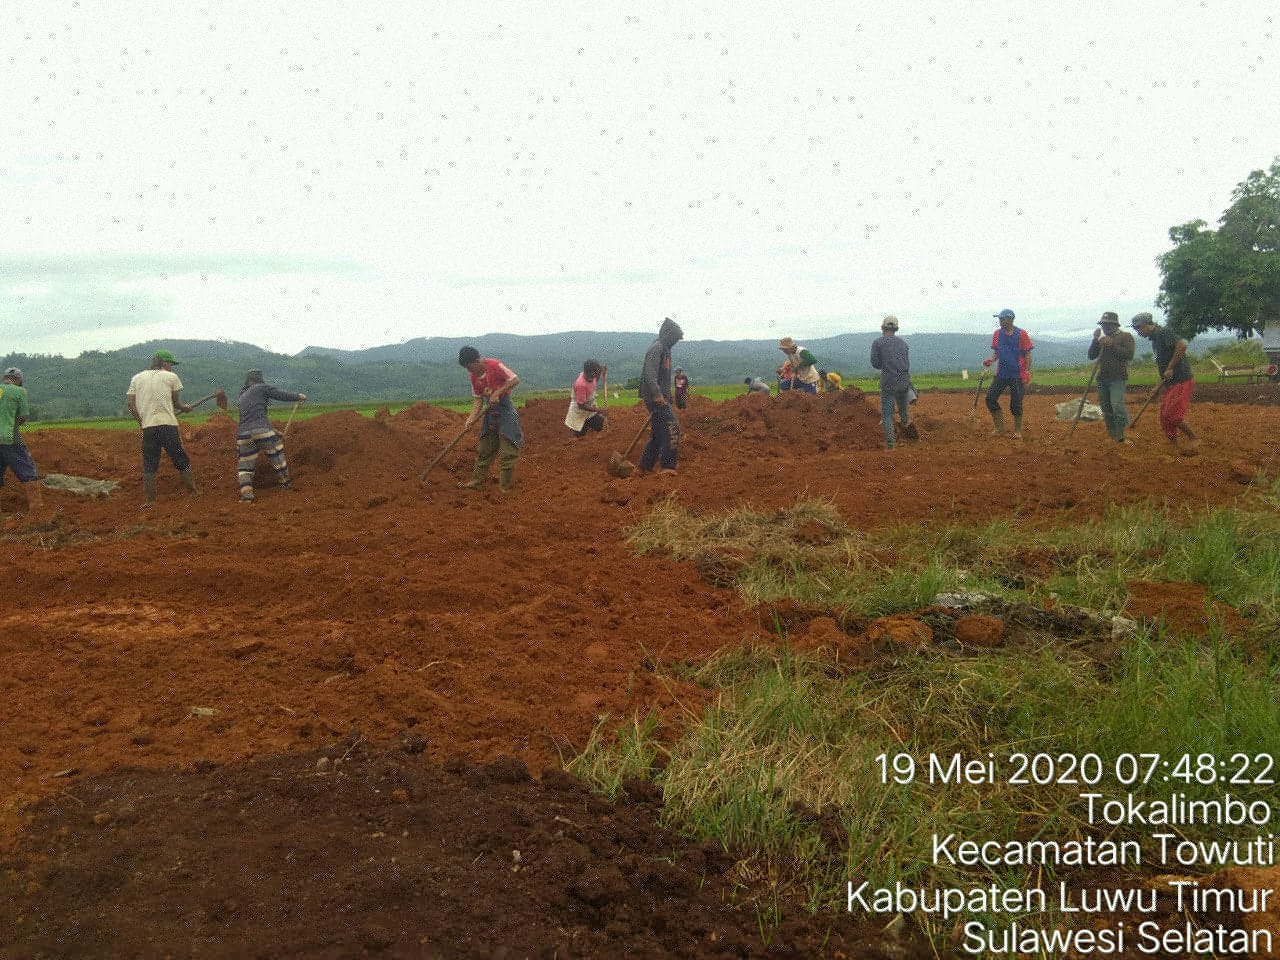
(1005, 314)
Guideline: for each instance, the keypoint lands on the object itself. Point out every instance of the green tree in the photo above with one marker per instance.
(1229, 278)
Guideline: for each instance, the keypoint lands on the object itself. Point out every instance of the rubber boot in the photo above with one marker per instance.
(149, 488)
(1017, 427)
(478, 477)
(997, 418)
(189, 481)
(504, 483)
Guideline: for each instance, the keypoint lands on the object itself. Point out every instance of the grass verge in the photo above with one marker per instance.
(818, 775)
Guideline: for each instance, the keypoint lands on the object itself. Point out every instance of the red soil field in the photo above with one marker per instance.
(306, 726)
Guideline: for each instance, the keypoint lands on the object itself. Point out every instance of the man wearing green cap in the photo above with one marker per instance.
(1175, 380)
(153, 398)
(1113, 349)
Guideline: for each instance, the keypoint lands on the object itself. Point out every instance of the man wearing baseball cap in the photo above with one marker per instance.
(890, 356)
(1011, 352)
(153, 398)
(14, 455)
(1176, 381)
(1113, 349)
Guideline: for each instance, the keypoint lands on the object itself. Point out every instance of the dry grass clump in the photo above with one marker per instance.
(810, 532)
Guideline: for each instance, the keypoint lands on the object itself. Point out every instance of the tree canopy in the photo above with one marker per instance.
(1229, 278)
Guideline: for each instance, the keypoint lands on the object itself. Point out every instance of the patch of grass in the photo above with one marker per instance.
(784, 766)
(610, 758)
(789, 766)
(810, 531)
(1233, 553)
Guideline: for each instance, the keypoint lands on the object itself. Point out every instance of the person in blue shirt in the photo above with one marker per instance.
(1011, 352)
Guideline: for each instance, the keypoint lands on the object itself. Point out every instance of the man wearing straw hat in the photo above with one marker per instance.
(804, 366)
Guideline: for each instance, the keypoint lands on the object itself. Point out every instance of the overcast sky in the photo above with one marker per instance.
(350, 173)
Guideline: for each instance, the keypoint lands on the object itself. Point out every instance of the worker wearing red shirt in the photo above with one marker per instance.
(500, 437)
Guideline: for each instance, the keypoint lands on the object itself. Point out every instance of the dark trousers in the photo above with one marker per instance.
(664, 438)
(594, 422)
(998, 387)
(166, 438)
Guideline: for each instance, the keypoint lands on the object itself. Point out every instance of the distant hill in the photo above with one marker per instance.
(551, 360)
(94, 383)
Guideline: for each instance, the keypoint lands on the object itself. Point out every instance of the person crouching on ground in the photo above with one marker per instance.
(655, 390)
(889, 355)
(583, 413)
(154, 401)
(14, 410)
(256, 435)
(500, 437)
(1113, 349)
(1175, 376)
(784, 374)
(804, 366)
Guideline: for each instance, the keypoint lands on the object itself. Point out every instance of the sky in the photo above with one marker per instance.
(352, 173)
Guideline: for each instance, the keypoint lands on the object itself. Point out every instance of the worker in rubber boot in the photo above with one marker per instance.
(491, 384)
(1011, 353)
(14, 411)
(655, 390)
(256, 435)
(1112, 348)
(154, 400)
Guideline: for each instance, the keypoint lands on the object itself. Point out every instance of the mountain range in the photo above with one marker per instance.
(93, 384)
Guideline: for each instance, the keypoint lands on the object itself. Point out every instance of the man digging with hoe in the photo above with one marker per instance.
(154, 401)
(1175, 376)
(500, 436)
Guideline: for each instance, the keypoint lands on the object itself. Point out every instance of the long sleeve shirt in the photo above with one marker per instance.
(889, 355)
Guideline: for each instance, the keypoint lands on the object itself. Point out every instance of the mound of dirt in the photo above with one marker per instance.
(789, 424)
(1183, 608)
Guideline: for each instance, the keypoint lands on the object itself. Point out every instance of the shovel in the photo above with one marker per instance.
(451, 444)
(219, 395)
(977, 393)
(289, 422)
(1146, 403)
(1084, 396)
(619, 465)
